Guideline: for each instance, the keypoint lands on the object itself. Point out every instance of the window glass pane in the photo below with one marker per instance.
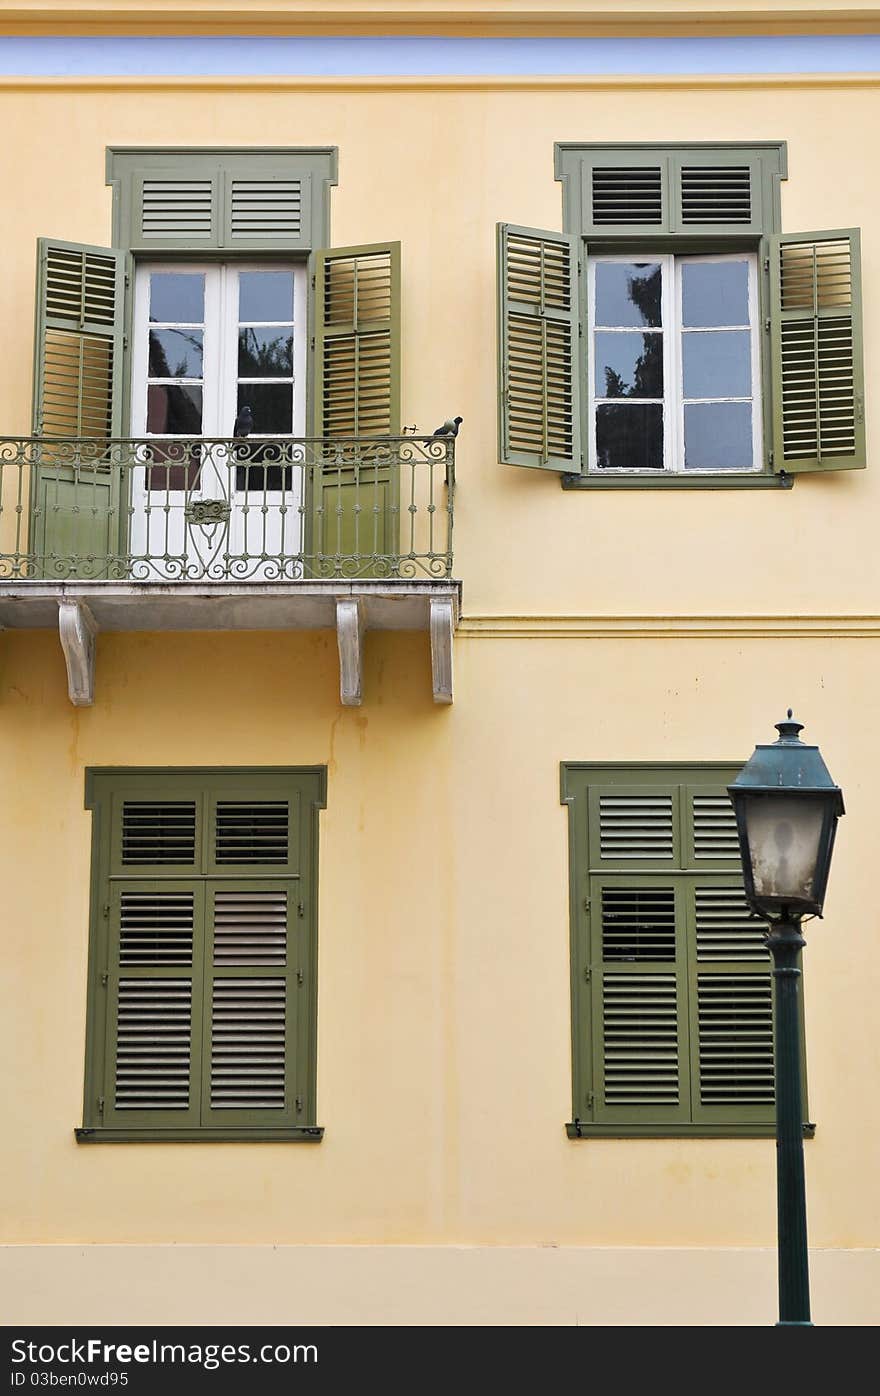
(628, 293)
(265, 295)
(629, 437)
(271, 405)
(717, 364)
(174, 466)
(176, 353)
(628, 365)
(177, 296)
(714, 293)
(265, 353)
(177, 411)
(718, 436)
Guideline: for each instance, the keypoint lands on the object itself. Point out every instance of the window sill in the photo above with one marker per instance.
(666, 480)
(583, 1129)
(297, 1134)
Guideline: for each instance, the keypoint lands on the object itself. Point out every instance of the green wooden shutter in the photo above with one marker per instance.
(816, 351)
(77, 379)
(357, 351)
(539, 349)
(639, 1001)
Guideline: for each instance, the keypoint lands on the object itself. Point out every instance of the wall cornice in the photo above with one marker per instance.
(730, 627)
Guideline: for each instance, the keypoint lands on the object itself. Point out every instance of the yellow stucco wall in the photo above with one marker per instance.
(443, 1042)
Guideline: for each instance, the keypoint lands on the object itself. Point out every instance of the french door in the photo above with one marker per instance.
(208, 341)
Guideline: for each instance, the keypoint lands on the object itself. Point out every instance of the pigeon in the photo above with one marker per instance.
(450, 427)
(244, 423)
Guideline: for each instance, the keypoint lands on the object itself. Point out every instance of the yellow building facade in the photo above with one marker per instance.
(599, 626)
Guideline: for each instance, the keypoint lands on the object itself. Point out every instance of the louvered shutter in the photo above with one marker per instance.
(634, 827)
(355, 486)
(539, 349)
(816, 351)
(225, 201)
(77, 377)
(154, 998)
(639, 1001)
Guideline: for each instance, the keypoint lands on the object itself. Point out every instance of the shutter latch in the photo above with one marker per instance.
(590, 1100)
(100, 1104)
(588, 972)
(104, 977)
(300, 977)
(299, 1104)
(300, 909)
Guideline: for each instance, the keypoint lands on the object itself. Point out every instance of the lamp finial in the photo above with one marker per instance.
(789, 729)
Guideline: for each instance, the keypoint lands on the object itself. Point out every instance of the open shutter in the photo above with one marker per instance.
(357, 399)
(538, 312)
(816, 338)
(77, 377)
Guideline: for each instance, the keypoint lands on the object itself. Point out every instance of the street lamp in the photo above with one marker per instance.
(787, 808)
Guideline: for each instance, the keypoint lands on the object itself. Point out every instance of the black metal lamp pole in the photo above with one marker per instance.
(787, 808)
(785, 942)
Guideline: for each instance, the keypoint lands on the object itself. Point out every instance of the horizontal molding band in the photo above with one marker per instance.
(488, 83)
(668, 627)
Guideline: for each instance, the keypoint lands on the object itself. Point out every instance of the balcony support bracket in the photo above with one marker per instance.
(350, 635)
(442, 627)
(77, 630)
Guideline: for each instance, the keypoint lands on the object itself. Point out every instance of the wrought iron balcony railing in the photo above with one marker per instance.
(196, 509)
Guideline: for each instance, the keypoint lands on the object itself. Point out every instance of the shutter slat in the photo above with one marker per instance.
(177, 208)
(248, 1037)
(252, 832)
(627, 195)
(250, 928)
(152, 1069)
(636, 827)
(158, 832)
(725, 928)
(638, 923)
(735, 1039)
(640, 1039)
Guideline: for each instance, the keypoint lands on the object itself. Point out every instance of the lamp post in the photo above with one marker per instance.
(786, 808)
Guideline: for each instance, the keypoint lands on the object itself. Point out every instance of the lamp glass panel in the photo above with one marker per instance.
(784, 834)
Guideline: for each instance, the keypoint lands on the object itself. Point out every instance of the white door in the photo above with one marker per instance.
(210, 340)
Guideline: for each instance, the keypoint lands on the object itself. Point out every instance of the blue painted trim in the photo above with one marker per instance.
(427, 57)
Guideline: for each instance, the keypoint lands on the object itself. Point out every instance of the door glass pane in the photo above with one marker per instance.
(174, 411)
(629, 436)
(718, 436)
(628, 294)
(271, 405)
(265, 353)
(714, 293)
(628, 365)
(177, 297)
(176, 353)
(265, 295)
(717, 364)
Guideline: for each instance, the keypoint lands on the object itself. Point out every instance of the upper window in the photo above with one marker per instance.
(673, 343)
(672, 334)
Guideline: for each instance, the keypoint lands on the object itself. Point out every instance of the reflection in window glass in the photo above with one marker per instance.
(629, 436)
(177, 297)
(265, 295)
(718, 436)
(175, 353)
(628, 294)
(717, 364)
(174, 411)
(714, 293)
(265, 353)
(271, 405)
(628, 365)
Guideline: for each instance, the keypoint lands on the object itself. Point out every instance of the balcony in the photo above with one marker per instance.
(221, 534)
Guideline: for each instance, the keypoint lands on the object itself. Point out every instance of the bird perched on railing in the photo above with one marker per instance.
(450, 427)
(244, 423)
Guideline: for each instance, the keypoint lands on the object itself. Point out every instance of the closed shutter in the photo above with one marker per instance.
(539, 349)
(671, 979)
(202, 998)
(816, 352)
(77, 377)
(639, 1002)
(355, 484)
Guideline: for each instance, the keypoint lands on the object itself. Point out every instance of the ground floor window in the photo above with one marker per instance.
(202, 962)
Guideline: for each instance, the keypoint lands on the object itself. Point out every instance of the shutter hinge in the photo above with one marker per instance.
(104, 978)
(312, 343)
(767, 324)
(126, 281)
(300, 909)
(587, 903)
(588, 972)
(105, 911)
(100, 1105)
(300, 977)
(299, 1104)
(770, 457)
(313, 283)
(591, 1099)
(125, 341)
(766, 263)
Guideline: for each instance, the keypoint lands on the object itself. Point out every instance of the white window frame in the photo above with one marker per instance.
(673, 399)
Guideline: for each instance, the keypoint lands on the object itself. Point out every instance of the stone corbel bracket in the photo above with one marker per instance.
(77, 629)
(443, 620)
(350, 637)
